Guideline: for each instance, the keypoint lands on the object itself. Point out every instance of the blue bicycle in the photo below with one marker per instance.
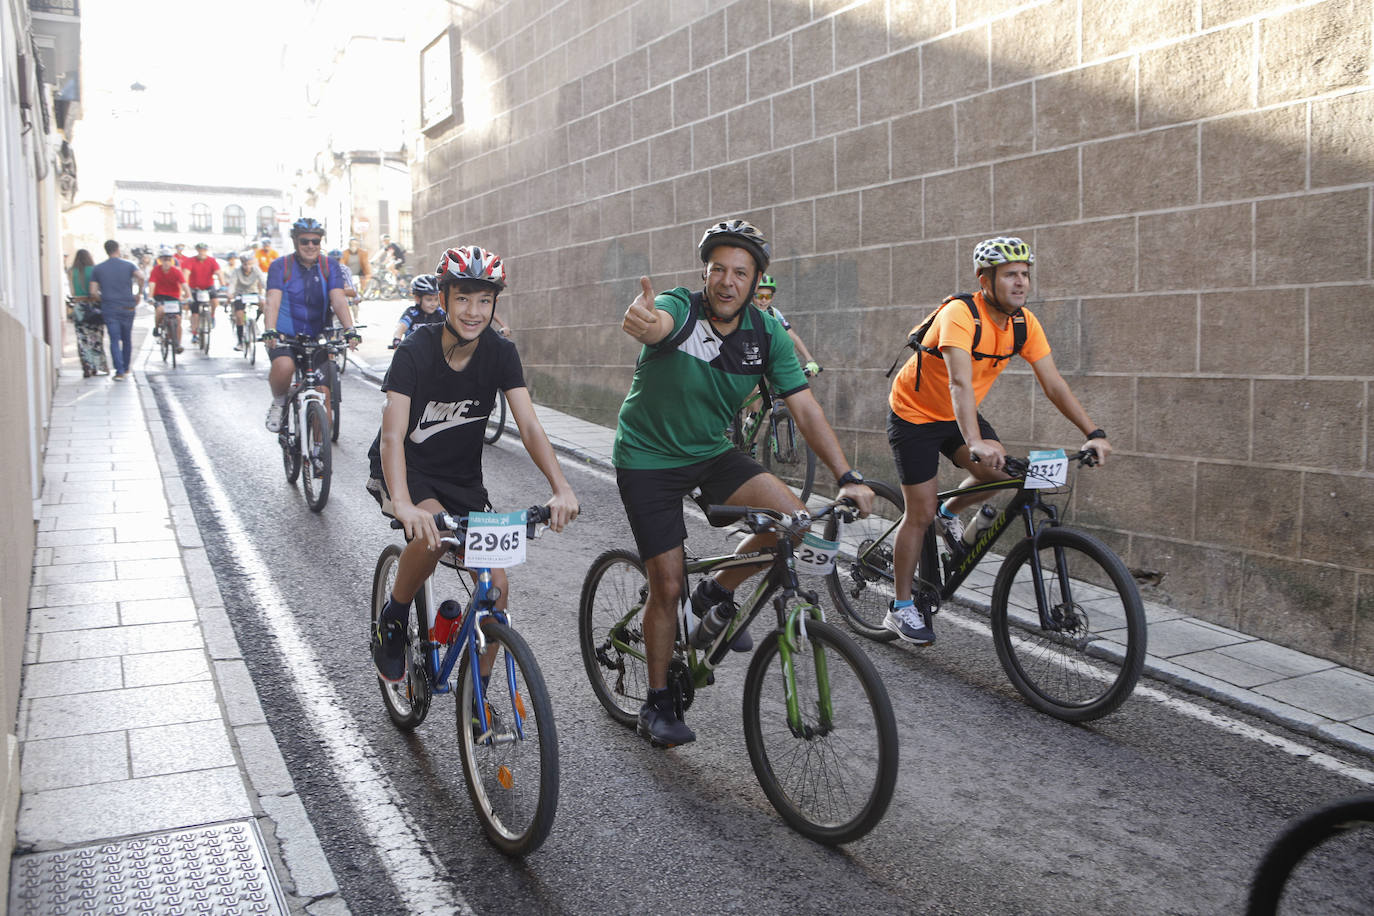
(506, 736)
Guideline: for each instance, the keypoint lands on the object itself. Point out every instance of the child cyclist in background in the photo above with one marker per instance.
(427, 458)
(426, 310)
(763, 298)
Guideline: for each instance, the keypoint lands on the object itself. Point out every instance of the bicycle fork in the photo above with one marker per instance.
(793, 638)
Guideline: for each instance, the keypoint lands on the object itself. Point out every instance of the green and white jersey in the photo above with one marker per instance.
(683, 397)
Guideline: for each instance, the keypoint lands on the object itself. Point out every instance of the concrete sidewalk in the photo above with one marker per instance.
(149, 778)
(1310, 695)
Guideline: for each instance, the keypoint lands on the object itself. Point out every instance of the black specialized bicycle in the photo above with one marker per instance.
(818, 724)
(1066, 616)
(1322, 862)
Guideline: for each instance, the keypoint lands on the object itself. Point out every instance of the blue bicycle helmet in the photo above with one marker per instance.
(306, 224)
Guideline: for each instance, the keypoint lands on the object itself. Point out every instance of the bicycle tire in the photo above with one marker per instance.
(497, 427)
(406, 702)
(316, 455)
(207, 324)
(250, 340)
(615, 583)
(836, 773)
(787, 454)
(1052, 669)
(1304, 836)
(514, 791)
(331, 380)
(166, 345)
(861, 584)
(176, 342)
(290, 450)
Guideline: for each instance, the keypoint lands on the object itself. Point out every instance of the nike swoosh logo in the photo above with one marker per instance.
(423, 432)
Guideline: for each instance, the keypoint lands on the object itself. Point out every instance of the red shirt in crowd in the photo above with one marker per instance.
(202, 272)
(166, 282)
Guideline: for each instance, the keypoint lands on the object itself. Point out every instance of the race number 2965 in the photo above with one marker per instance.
(495, 540)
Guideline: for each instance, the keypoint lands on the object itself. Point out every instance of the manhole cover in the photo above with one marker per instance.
(219, 869)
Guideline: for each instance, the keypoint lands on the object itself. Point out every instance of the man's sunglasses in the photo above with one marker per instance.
(308, 241)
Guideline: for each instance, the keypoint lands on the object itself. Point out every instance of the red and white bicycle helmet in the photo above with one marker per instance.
(470, 262)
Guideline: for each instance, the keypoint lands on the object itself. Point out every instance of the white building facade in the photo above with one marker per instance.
(155, 213)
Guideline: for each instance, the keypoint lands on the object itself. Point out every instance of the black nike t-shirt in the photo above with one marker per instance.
(448, 410)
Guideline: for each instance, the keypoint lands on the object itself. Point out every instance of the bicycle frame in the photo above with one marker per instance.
(781, 585)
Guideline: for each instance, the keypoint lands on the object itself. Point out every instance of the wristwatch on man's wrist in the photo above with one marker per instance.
(1097, 434)
(850, 476)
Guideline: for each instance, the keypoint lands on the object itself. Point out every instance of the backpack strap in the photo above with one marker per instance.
(913, 341)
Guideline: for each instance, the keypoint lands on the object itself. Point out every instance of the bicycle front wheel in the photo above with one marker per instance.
(250, 341)
(861, 584)
(1081, 659)
(832, 774)
(610, 631)
(317, 459)
(166, 342)
(1319, 863)
(496, 423)
(407, 702)
(510, 760)
(787, 455)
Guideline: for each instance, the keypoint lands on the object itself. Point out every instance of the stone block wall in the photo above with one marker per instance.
(1195, 176)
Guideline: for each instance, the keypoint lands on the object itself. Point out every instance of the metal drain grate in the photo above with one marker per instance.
(220, 869)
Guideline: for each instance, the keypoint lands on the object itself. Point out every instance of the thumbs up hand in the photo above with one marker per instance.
(643, 322)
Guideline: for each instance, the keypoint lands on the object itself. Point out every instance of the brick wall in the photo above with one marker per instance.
(1195, 177)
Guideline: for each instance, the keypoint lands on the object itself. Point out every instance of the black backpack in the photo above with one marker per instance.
(913, 341)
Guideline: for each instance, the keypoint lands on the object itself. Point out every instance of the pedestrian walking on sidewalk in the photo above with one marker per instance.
(112, 283)
(84, 312)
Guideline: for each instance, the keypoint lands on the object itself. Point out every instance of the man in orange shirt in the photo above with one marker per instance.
(934, 401)
(265, 254)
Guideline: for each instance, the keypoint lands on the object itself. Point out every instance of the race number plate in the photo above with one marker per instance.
(250, 298)
(495, 539)
(815, 555)
(1047, 469)
(202, 295)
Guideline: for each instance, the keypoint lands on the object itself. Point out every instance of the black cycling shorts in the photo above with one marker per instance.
(653, 496)
(916, 447)
(321, 355)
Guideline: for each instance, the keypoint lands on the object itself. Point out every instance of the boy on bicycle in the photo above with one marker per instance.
(426, 310)
(427, 457)
(763, 298)
(702, 354)
(934, 409)
(169, 288)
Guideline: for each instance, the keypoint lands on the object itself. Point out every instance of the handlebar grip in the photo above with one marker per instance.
(720, 515)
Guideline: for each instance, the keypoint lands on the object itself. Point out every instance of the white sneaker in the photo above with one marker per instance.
(952, 529)
(274, 417)
(911, 624)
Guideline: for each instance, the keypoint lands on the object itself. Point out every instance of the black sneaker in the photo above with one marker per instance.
(702, 604)
(389, 650)
(661, 727)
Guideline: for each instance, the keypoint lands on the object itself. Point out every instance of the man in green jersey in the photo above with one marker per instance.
(703, 354)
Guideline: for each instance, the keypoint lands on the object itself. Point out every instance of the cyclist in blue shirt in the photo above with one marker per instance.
(302, 288)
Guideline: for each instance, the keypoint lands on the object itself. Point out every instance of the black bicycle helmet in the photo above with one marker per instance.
(739, 233)
(306, 224)
(424, 285)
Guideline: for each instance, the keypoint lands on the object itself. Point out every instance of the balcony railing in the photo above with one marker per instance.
(64, 7)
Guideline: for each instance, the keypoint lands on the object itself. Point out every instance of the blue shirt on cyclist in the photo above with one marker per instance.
(305, 292)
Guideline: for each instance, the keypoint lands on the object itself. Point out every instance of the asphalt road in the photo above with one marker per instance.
(1155, 809)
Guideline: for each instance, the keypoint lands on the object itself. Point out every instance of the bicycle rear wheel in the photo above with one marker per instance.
(861, 584)
(317, 453)
(511, 765)
(407, 702)
(165, 341)
(496, 423)
(787, 454)
(290, 447)
(331, 379)
(833, 778)
(610, 631)
(1086, 663)
(1319, 863)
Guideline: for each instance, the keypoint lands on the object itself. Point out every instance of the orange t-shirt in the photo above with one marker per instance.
(265, 258)
(953, 327)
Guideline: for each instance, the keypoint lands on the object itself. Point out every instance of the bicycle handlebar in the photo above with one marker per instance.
(760, 519)
(534, 515)
(1017, 467)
